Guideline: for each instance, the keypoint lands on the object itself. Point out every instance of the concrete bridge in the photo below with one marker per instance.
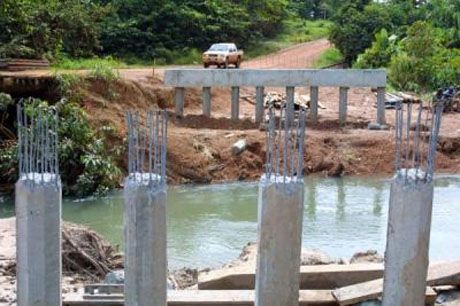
(288, 78)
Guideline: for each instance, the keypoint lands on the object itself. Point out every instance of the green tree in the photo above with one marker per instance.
(44, 28)
(355, 24)
(379, 54)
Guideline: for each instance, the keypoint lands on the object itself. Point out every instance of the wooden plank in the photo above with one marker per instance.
(205, 298)
(438, 274)
(311, 277)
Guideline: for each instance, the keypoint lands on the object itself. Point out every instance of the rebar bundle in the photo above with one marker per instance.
(37, 143)
(285, 144)
(416, 142)
(147, 147)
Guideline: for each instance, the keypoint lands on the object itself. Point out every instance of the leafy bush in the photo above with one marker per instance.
(329, 57)
(87, 162)
(45, 28)
(423, 64)
(104, 72)
(379, 54)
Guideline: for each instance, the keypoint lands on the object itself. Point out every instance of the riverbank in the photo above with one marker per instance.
(199, 148)
(187, 278)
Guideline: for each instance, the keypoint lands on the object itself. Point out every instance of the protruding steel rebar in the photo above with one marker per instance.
(285, 145)
(37, 143)
(147, 147)
(415, 146)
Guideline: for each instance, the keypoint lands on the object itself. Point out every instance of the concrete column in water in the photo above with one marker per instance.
(179, 97)
(235, 102)
(343, 97)
(145, 212)
(38, 211)
(207, 101)
(259, 104)
(280, 215)
(409, 218)
(381, 105)
(314, 104)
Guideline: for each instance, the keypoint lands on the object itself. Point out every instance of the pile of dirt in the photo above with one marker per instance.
(84, 252)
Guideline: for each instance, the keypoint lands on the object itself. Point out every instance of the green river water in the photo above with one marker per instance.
(209, 225)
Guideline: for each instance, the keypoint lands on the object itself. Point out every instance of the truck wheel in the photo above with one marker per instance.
(226, 63)
(238, 63)
(205, 65)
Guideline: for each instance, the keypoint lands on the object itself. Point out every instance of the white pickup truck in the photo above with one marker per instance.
(223, 55)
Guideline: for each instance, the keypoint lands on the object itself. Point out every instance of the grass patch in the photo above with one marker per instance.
(295, 31)
(88, 63)
(328, 58)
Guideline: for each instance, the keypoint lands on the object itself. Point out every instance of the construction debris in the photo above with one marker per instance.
(393, 99)
(84, 252)
(239, 146)
(277, 100)
(450, 97)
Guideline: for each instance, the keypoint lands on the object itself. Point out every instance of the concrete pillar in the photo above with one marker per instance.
(343, 95)
(145, 244)
(235, 102)
(38, 243)
(179, 96)
(408, 237)
(280, 213)
(207, 101)
(314, 104)
(259, 104)
(290, 91)
(381, 105)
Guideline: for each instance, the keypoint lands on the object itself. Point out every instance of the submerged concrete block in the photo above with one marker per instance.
(280, 214)
(408, 237)
(145, 244)
(38, 245)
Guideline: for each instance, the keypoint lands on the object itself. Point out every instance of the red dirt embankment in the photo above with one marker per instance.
(199, 148)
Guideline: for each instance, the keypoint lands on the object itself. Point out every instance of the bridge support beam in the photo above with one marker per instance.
(343, 97)
(290, 92)
(179, 96)
(381, 106)
(235, 102)
(207, 101)
(259, 104)
(279, 242)
(314, 104)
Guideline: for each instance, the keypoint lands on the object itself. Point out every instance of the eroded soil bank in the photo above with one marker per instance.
(199, 148)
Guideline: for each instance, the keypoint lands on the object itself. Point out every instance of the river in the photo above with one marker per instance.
(208, 225)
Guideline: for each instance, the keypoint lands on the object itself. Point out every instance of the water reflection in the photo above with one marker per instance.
(208, 225)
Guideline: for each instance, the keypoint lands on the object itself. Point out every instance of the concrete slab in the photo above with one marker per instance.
(311, 277)
(275, 77)
(438, 274)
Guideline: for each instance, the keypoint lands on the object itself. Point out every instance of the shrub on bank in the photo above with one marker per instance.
(86, 161)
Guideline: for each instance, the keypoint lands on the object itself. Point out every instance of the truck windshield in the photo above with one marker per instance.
(218, 48)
